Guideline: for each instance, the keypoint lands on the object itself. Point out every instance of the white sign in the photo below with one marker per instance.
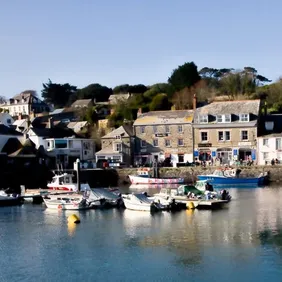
(244, 143)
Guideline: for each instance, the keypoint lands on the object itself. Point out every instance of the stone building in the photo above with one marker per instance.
(117, 146)
(226, 131)
(164, 134)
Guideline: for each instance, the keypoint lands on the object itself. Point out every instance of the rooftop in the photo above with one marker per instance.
(123, 131)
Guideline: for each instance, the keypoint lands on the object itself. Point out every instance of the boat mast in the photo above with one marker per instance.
(77, 168)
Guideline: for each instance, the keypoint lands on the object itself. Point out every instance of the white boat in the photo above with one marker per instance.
(64, 182)
(9, 199)
(67, 203)
(140, 202)
(144, 177)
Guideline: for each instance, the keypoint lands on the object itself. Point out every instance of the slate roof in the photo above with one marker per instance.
(115, 98)
(77, 126)
(123, 131)
(55, 132)
(57, 111)
(276, 131)
(107, 151)
(165, 117)
(5, 130)
(230, 107)
(81, 103)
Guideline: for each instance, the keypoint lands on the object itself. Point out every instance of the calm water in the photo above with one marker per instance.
(240, 243)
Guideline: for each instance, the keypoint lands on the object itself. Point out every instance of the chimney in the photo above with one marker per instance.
(20, 116)
(139, 113)
(50, 122)
(194, 102)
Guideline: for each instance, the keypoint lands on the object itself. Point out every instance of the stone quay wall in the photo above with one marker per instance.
(190, 173)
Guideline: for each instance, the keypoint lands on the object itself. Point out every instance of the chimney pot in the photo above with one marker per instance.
(139, 113)
(194, 102)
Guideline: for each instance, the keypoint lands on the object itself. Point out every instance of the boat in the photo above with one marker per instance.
(140, 202)
(10, 199)
(229, 176)
(144, 176)
(64, 182)
(201, 199)
(67, 203)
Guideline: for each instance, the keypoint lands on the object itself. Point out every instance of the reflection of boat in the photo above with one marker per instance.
(144, 177)
(232, 176)
(140, 202)
(191, 194)
(9, 199)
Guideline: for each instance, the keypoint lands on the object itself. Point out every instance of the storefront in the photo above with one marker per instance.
(224, 155)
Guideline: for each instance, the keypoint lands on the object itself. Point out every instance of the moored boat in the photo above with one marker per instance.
(67, 203)
(9, 199)
(145, 177)
(228, 176)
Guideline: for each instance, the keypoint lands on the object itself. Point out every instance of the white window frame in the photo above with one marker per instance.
(280, 146)
(143, 144)
(227, 118)
(265, 142)
(265, 156)
(155, 129)
(179, 143)
(241, 135)
(116, 145)
(229, 135)
(219, 118)
(167, 129)
(155, 140)
(204, 118)
(222, 140)
(142, 129)
(167, 144)
(244, 117)
(202, 138)
(180, 128)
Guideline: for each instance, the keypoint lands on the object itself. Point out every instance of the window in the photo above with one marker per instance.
(266, 155)
(220, 136)
(244, 117)
(244, 135)
(117, 147)
(204, 119)
(204, 136)
(155, 129)
(181, 158)
(219, 118)
(227, 136)
(180, 129)
(227, 118)
(156, 143)
(143, 143)
(278, 144)
(167, 129)
(61, 144)
(142, 129)
(265, 142)
(167, 143)
(180, 142)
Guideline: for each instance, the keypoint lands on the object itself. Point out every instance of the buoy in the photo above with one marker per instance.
(191, 206)
(73, 219)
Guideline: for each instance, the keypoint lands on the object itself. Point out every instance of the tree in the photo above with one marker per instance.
(160, 103)
(184, 76)
(183, 99)
(121, 89)
(96, 92)
(159, 88)
(57, 94)
(126, 88)
(2, 99)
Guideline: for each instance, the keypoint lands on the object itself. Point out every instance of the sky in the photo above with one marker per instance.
(114, 42)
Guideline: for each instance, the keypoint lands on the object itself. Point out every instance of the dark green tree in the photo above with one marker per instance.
(96, 92)
(160, 103)
(184, 76)
(126, 88)
(58, 94)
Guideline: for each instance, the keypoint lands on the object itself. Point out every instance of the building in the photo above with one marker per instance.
(116, 98)
(164, 134)
(6, 119)
(269, 141)
(82, 103)
(79, 126)
(118, 146)
(226, 131)
(9, 134)
(26, 103)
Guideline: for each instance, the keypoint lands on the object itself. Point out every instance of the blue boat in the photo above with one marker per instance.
(232, 177)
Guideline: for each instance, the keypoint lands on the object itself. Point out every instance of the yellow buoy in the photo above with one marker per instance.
(191, 206)
(73, 219)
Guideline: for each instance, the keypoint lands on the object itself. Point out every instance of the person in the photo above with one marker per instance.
(224, 195)
(272, 162)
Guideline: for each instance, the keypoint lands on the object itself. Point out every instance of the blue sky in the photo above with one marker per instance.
(113, 42)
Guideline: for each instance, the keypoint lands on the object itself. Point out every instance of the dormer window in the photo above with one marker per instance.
(244, 117)
(219, 118)
(227, 118)
(204, 119)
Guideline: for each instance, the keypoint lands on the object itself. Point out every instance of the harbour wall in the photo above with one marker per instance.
(190, 173)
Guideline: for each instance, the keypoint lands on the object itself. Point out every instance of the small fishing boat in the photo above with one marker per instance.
(144, 176)
(9, 199)
(140, 202)
(229, 176)
(67, 203)
(201, 199)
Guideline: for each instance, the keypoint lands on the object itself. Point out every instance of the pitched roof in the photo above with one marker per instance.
(12, 145)
(115, 98)
(5, 130)
(230, 107)
(76, 126)
(123, 131)
(273, 120)
(57, 111)
(82, 103)
(55, 132)
(107, 151)
(165, 117)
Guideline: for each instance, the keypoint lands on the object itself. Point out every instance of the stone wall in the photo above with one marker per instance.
(190, 173)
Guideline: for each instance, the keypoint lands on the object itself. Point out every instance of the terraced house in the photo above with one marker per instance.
(164, 134)
(226, 131)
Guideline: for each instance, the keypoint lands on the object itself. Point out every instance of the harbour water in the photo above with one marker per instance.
(242, 242)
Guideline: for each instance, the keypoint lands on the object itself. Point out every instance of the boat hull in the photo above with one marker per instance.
(148, 180)
(60, 205)
(10, 201)
(231, 180)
